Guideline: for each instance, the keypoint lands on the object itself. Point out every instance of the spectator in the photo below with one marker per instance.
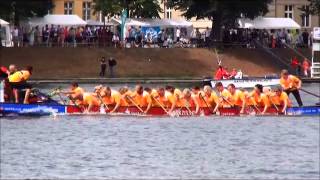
(112, 63)
(103, 66)
(115, 40)
(296, 65)
(238, 75)
(306, 67)
(305, 38)
(178, 34)
(15, 36)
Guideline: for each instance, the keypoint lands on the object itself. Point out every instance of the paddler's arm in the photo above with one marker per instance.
(173, 106)
(149, 105)
(117, 100)
(285, 105)
(197, 104)
(243, 105)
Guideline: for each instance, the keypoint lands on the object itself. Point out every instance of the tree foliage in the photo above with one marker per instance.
(135, 8)
(14, 10)
(221, 12)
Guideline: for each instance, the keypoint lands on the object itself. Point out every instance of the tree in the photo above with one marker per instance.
(221, 12)
(135, 8)
(107, 8)
(14, 10)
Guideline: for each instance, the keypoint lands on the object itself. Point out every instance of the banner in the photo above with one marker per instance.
(151, 31)
(124, 15)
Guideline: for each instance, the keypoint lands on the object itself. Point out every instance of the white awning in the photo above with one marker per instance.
(269, 23)
(98, 23)
(63, 20)
(3, 22)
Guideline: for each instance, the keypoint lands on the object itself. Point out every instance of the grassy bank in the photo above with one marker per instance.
(52, 63)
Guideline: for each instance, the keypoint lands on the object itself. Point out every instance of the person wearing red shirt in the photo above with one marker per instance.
(296, 65)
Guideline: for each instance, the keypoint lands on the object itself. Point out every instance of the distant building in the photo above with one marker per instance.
(292, 9)
(82, 8)
(278, 8)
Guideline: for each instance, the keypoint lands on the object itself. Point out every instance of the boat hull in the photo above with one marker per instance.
(47, 109)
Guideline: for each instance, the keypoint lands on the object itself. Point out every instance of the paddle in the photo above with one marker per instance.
(164, 109)
(134, 103)
(104, 105)
(202, 98)
(308, 92)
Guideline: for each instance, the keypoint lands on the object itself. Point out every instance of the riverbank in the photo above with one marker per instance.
(61, 63)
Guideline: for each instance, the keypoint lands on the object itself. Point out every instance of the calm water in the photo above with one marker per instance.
(129, 147)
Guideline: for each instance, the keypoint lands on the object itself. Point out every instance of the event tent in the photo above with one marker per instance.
(3, 22)
(63, 20)
(269, 23)
(98, 23)
(5, 33)
(155, 22)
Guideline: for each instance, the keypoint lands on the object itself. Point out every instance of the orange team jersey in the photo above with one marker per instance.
(187, 102)
(291, 82)
(237, 98)
(226, 98)
(138, 99)
(147, 99)
(162, 100)
(171, 98)
(259, 100)
(19, 76)
(89, 98)
(279, 100)
(210, 101)
(113, 99)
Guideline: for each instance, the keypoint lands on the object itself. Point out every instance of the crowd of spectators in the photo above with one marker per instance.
(105, 36)
(268, 38)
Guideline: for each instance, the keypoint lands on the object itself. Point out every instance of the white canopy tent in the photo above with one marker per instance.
(63, 20)
(3, 22)
(5, 34)
(268, 23)
(98, 23)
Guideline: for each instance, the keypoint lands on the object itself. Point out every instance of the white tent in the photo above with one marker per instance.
(5, 34)
(3, 22)
(63, 20)
(155, 22)
(98, 23)
(269, 23)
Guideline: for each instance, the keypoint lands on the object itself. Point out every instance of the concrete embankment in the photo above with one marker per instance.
(61, 63)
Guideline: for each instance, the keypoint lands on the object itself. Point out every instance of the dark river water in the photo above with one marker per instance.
(86, 147)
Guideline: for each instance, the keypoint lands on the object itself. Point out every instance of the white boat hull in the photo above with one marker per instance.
(247, 83)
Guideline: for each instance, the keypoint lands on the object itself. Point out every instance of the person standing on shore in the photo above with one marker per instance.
(103, 66)
(291, 84)
(306, 67)
(112, 63)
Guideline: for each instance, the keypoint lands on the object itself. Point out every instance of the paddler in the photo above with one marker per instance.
(189, 101)
(259, 99)
(110, 98)
(161, 99)
(91, 100)
(75, 94)
(139, 99)
(149, 98)
(208, 98)
(18, 81)
(225, 96)
(237, 97)
(291, 84)
(281, 99)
